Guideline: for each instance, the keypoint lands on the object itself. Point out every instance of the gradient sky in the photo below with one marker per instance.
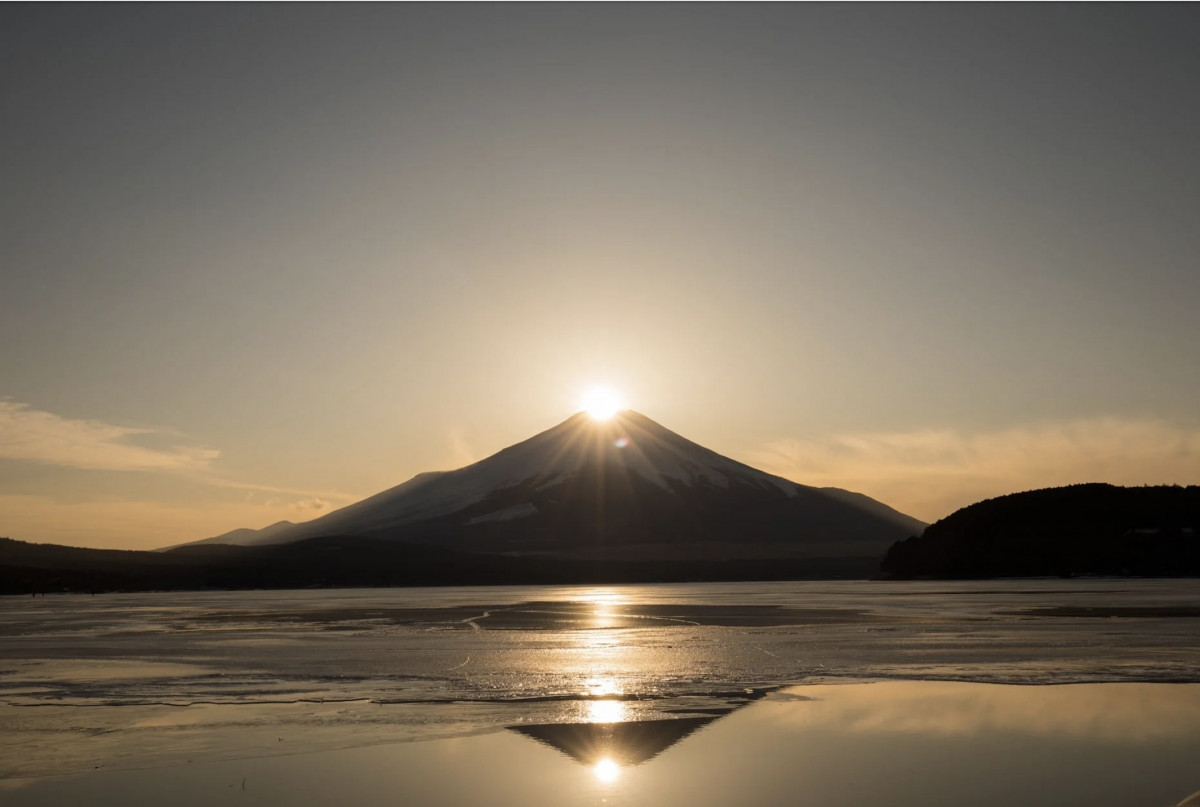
(261, 261)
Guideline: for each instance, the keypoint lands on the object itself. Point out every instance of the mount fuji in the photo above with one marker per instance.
(624, 490)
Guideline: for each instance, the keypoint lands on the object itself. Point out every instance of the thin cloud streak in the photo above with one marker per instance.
(309, 499)
(128, 524)
(932, 472)
(43, 437)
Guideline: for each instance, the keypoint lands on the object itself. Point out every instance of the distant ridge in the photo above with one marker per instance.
(245, 535)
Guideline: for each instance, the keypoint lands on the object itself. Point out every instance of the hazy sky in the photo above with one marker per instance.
(258, 261)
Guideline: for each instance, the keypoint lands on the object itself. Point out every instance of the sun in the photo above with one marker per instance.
(601, 403)
(606, 770)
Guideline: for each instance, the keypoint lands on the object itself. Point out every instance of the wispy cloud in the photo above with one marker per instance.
(305, 509)
(37, 436)
(929, 473)
(462, 453)
(312, 507)
(201, 511)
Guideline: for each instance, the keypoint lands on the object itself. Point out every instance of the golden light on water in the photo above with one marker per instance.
(601, 685)
(606, 711)
(600, 597)
(603, 689)
(606, 770)
(605, 610)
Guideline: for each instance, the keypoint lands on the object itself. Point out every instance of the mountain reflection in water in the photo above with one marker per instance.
(607, 742)
(620, 743)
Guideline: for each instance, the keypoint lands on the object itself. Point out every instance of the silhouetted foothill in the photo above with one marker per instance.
(1091, 529)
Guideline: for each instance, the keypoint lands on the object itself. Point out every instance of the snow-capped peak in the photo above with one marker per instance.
(629, 449)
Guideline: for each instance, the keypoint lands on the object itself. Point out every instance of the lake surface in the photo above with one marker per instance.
(847, 692)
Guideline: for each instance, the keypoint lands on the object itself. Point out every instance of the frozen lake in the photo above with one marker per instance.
(114, 692)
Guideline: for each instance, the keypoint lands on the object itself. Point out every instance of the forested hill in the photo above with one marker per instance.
(1092, 529)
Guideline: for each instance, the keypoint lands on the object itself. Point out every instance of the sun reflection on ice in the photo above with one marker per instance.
(606, 711)
(598, 595)
(605, 705)
(601, 686)
(605, 605)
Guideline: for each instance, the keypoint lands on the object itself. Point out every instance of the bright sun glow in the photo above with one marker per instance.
(601, 403)
(606, 770)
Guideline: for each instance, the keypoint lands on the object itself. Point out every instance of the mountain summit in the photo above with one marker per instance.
(622, 489)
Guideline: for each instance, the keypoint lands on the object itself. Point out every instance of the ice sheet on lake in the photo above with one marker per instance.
(156, 673)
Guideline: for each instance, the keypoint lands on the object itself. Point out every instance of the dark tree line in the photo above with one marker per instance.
(336, 562)
(1092, 529)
